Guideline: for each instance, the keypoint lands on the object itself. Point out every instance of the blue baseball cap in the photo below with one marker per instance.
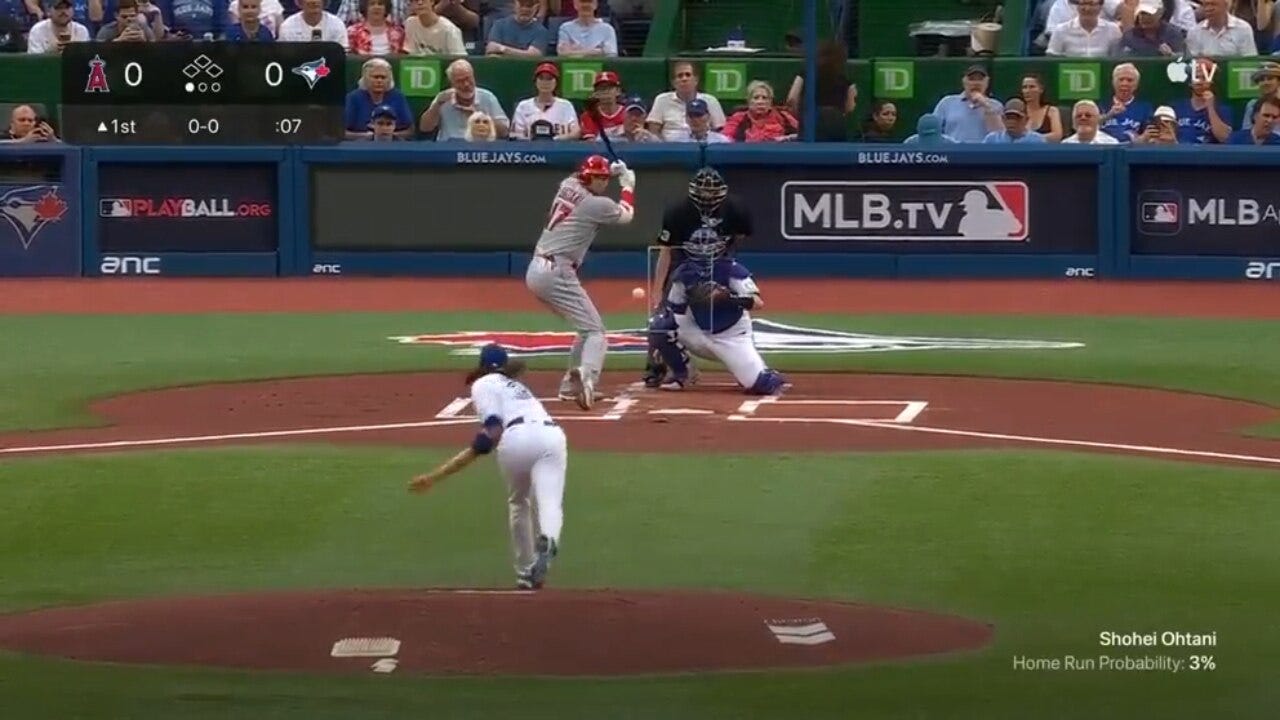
(634, 101)
(493, 356)
(697, 106)
(382, 111)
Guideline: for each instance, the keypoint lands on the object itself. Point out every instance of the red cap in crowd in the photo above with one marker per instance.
(607, 76)
(549, 68)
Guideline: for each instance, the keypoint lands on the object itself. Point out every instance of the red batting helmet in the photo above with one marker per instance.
(595, 166)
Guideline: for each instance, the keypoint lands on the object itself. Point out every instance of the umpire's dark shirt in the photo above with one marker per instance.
(681, 220)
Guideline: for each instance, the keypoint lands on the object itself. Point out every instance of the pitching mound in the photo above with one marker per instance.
(488, 632)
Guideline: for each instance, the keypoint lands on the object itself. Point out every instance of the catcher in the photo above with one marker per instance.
(708, 205)
(711, 297)
(533, 455)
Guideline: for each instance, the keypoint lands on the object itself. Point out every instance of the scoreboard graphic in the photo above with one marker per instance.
(214, 93)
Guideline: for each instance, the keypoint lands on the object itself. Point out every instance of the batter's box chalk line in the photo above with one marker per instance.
(746, 412)
(622, 403)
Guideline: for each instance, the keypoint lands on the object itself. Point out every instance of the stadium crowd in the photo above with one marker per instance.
(465, 110)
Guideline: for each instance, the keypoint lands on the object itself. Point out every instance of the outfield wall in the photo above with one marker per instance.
(476, 210)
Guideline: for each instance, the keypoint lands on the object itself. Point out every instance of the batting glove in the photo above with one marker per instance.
(628, 179)
(617, 167)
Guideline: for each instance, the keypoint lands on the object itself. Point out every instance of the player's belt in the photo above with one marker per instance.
(520, 421)
(552, 259)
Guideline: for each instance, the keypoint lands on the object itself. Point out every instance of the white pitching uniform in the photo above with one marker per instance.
(572, 224)
(532, 455)
(725, 335)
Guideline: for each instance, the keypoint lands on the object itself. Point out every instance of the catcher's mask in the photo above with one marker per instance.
(705, 244)
(707, 190)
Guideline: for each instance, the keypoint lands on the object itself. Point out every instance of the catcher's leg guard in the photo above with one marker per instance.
(665, 346)
(768, 382)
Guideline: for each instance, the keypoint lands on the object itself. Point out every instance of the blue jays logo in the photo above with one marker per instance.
(29, 209)
(312, 71)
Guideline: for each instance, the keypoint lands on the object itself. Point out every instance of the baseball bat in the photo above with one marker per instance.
(594, 110)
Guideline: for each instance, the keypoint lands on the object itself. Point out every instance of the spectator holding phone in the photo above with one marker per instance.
(26, 127)
(128, 25)
(314, 24)
(1265, 117)
(1161, 130)
(52, 34)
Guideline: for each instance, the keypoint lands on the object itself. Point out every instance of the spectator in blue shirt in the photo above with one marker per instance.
(968, 116)
(1202, 118)
(250, 27)
(1126, 115)
(376, 88)
(587, 35)
(1267, 78)
(929, 132)
(1264, 125)
(520, 33)
(1015, 126)
(197, 18)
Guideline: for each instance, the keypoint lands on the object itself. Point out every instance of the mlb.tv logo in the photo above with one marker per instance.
(1159, 212)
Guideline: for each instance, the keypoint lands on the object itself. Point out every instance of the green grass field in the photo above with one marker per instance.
(1051, 547)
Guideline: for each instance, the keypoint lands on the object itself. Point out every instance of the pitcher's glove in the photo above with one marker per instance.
(709, 294)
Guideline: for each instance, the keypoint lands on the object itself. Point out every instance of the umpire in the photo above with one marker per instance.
(708, 205)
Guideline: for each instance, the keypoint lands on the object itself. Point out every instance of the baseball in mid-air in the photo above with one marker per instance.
(637, 293)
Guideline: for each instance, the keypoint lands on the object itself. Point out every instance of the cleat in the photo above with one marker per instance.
(524, 581)
(547, 549)
(674, 384)
(583, 392)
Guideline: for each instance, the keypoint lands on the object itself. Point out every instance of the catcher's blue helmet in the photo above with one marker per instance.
(493, 357)
(705, 243)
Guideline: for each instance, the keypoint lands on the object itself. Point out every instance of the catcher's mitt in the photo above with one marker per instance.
(708, 294)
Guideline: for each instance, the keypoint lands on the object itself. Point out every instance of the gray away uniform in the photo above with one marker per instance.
(575, 218)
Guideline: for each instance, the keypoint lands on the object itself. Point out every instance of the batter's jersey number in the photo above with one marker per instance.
(560, 210)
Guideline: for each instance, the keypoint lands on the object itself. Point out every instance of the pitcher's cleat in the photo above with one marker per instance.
(546, 549)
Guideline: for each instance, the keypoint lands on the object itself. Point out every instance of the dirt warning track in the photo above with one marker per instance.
(820, 412)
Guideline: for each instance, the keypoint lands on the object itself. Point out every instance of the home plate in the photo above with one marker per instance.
(681, 411)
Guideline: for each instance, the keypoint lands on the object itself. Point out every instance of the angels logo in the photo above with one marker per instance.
(770, 337)
(30, 209)
(97, 81)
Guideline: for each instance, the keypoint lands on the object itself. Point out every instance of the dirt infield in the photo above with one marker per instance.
(550, 632)
(820, 412)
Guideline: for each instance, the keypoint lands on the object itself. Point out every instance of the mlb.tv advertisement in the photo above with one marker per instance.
(802, 209)
(1200, 210)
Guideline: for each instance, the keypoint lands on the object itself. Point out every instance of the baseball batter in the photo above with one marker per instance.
(712, 297)
(533, 455)
(577, 212)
